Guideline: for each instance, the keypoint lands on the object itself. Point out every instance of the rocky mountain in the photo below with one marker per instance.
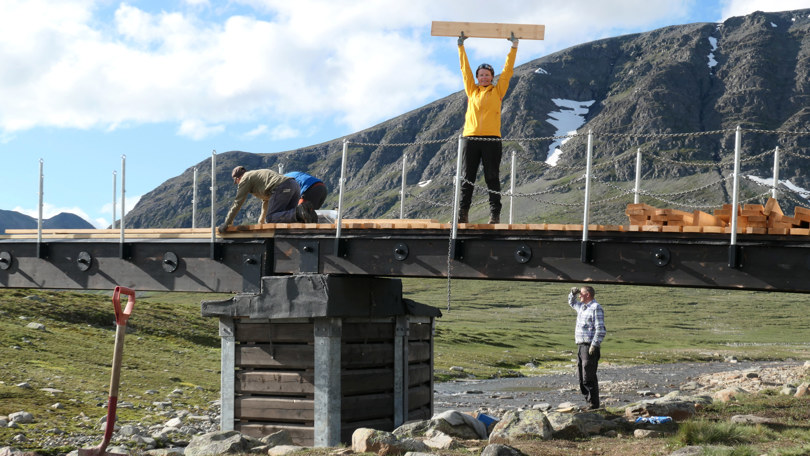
(677, 93)
(63, 220)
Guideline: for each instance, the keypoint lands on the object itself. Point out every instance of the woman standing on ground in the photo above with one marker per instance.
(482, 129)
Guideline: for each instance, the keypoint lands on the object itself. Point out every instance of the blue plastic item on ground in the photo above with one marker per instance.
(486, 419)
(654, 419)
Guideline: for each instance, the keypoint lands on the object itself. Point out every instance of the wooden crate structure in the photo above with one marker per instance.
(322, 377)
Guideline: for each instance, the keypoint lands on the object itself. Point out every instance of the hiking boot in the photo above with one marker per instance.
(305, 213)
(494, 217)
(463, 215)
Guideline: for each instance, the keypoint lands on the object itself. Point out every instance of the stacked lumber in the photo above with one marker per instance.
(751, 219)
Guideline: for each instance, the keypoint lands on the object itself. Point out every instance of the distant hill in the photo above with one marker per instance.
(631, 91)
(63, 220)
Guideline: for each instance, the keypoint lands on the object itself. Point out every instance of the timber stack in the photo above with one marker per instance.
(751, 219)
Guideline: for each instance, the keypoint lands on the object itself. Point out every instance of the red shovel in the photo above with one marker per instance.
(120, 329)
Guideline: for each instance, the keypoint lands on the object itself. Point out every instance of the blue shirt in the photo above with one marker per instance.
(304, 180)
(590, 322)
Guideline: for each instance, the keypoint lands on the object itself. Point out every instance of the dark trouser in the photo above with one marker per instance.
(282, 203)
(586, 368)
(315, 194)
(488, 153)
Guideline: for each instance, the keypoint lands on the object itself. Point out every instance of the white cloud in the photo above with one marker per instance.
(198, 130)
(743, 7)
(204, 67)
(49, 210)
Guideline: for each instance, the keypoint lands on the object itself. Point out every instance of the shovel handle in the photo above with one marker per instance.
(121, 317)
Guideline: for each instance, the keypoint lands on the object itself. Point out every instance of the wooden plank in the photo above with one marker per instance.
(772, 208)
(275, 409)
(269, 382)
(302, 435)
(366, 407)
(276, 355)
(693, 229)
(671, 229)
(420, 331)
(418, 374)
(367, 355)
(368, 332)
(488, 30)
(365, 381)
(801, 213)
(419, 396)
(274, 332)
(800, 231)
(714, 229)
(418, 352)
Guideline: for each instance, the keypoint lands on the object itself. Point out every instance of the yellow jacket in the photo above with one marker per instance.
(483, 116)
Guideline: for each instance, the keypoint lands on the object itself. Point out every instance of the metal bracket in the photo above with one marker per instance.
(341, 247)
(170, 262)
(84, 261)
(310, 255)
(523, 254)
(457, 249)
(735, 256)
(43, 251)
(401, 251)
(125, 251)
(586, 252)
(661, 256)
(5, 260)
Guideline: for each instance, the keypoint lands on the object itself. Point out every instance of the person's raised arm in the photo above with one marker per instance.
(466, 72)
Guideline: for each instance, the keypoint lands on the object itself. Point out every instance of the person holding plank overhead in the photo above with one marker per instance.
(482, 128)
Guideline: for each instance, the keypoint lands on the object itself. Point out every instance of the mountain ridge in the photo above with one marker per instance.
(647, 88)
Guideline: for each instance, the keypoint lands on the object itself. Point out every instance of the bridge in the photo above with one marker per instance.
(188, 260)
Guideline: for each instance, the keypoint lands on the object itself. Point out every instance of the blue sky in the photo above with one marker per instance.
(83, 82)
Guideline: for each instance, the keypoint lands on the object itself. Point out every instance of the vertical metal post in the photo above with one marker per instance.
(733, 252)
(585, 254)
(638, 176)
(775, 173)
(327, 397)
(213, 203)
(339, 247)
(512, 189)
(122, 253)
(401, 331)
(227, 379)
(402, 191)
(194, 201)
(455, 250)
(39, 206)
(115, 197)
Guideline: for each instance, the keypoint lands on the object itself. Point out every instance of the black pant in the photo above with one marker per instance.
(315, 194)
(488, 153)
(586, 368)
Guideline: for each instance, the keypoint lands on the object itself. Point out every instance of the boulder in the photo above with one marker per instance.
(440, 441)
(677, 409)
(751, 419)
(801, 391)
(21, 417)
(451, 422)
(523, 425)
(496, 449)
(383, 443)
(281, 437)
(282, 450)
(646, 434)
(571, 426)
(220, 442)
(728, 394)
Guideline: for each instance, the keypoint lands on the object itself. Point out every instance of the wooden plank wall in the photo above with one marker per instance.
(275, 376)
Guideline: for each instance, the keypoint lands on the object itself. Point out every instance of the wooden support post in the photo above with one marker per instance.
(228, 376)
(328, 334)
(488, 30)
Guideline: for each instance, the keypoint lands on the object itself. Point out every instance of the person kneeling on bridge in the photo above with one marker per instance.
(313, 189)
(279, 195)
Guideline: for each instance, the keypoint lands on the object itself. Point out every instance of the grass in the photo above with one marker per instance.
(492, 329)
